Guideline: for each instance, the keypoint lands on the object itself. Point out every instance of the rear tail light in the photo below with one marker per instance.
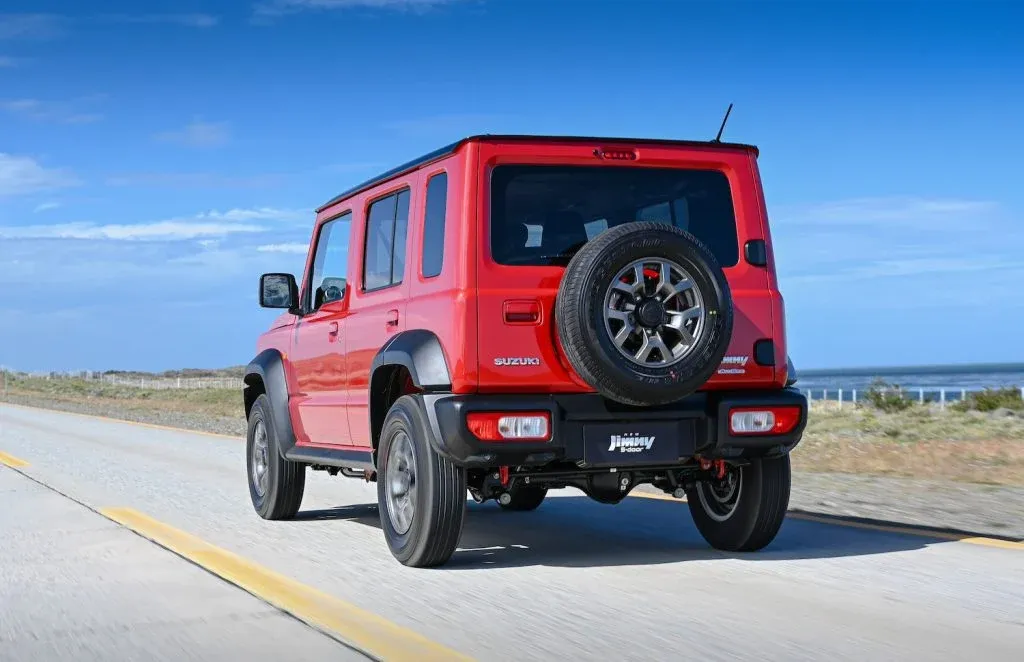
(518, 426)
(763, 420)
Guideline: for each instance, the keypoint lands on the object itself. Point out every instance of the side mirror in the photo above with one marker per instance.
(279, 291)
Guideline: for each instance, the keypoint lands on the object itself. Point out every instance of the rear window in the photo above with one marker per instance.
(541, 215)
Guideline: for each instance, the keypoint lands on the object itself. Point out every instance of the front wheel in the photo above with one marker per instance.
(743, 512)
(276, 485)
(421, 494)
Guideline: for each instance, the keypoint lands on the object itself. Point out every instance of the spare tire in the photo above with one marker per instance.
(644, 313)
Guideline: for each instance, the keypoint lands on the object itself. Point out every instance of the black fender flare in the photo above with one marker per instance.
(417, 350)
(791, 375)
(268, 367)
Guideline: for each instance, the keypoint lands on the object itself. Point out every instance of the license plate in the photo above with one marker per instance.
(619, 444)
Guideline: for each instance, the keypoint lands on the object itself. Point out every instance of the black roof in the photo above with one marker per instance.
(450, 149)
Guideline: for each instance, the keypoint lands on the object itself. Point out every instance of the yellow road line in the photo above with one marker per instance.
(887, 528)
(11, 461)
(111, 419)
(364, 630)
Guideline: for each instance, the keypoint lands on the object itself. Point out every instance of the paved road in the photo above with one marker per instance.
(572, 580)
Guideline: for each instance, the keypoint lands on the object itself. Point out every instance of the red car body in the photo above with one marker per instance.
(329, 353)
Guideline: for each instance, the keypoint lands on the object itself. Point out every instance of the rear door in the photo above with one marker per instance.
(377, 308)
(540, 203)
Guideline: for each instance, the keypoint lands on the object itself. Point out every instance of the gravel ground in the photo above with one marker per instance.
(980, 509)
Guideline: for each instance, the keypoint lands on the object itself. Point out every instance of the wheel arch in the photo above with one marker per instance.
(265, 375)
(412, 361)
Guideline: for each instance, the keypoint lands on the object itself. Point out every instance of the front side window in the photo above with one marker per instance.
(330, 263)
(387, 223)
(541, 215)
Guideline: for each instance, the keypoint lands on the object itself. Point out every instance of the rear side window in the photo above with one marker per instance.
(433, 225)
(541, 215)
(387, 223)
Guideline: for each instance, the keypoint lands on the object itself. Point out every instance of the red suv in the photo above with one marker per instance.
(513, 314)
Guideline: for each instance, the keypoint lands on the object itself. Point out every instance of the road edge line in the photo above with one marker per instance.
(363, 630)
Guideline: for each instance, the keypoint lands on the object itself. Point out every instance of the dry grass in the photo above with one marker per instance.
(218, 402)
(919, 442)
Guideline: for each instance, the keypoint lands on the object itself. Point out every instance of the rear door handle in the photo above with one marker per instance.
(332, 329)
(392, 318)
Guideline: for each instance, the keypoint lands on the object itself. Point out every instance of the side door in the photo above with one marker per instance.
(318, 340)
(377, 308)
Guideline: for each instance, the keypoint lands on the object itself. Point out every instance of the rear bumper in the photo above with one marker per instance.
(582, 423)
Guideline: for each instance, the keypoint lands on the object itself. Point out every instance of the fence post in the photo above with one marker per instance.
(963, 394)
(840, 398)
(942, 399)
(920, 395)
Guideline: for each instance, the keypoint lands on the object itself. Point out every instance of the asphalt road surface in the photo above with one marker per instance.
(121, 541)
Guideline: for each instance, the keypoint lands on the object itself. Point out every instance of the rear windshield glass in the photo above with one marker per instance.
(541, 215)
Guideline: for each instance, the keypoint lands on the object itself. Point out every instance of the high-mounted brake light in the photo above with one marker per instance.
(763, 420)
(507, 426)
(615, 154)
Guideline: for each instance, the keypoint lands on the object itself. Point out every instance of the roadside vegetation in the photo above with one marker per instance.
(979, 440)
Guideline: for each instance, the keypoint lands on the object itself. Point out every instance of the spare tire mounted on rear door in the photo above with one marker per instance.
(644, 313)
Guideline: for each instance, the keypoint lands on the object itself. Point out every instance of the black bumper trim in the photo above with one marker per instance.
(703, 419)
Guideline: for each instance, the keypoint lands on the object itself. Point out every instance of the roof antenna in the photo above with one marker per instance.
(725, 119)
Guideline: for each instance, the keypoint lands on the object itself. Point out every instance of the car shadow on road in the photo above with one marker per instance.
(574, 531)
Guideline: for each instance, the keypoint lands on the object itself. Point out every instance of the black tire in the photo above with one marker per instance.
(760, 509)
(525, 498)
(286, 481)
(579, 314)
(440, 491)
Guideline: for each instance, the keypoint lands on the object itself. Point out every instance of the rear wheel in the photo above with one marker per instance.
(526, 497)
(421, 494)
(276, 485)
(744, 511)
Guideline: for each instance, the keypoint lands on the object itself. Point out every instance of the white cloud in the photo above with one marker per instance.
(277, 7)
(185, 20)
(258, 214)
(204, 225)
(7, 62)
(284, 248)
(75, 111)
(21, 175)
(30, 26)
(887, 211)
(46, 206)
(157, 231)
(198, 134)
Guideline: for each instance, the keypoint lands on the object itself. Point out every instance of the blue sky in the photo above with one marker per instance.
(156, 157)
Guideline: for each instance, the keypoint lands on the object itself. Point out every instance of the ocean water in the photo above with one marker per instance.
(931, 380)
